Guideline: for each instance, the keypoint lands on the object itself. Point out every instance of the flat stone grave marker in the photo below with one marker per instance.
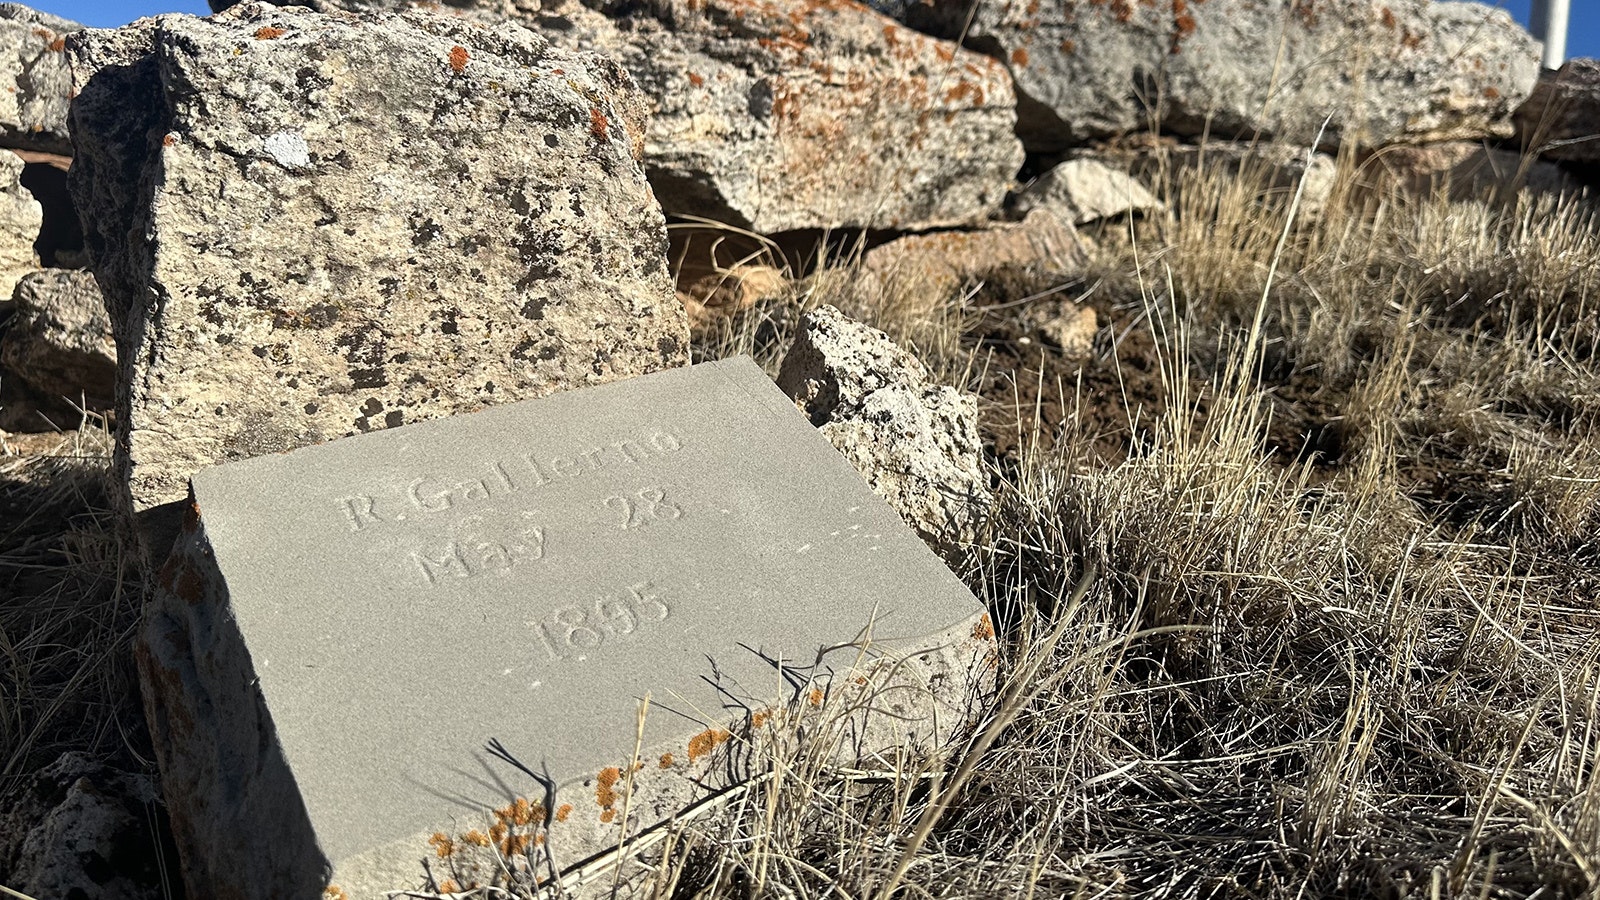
(343, 629)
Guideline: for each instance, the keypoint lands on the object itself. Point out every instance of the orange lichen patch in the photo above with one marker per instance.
(984, 629)
(459, 58)
(447, 887)
(476, 838)
(1069, 46)
(442, 845)
(1019, 57)
(860, 680)
(608, 816)
(599, 125)
(169, 140)
(520, 812)
(269, 32)
(1491, 93)
(498, 832)
(605, 785)
(1387, 17)
(759, 718)
(59, 44)
(538, 840)
(964, 91)
(696, 79)
(891, 36)
(1410, 40)
(334, 892)
(563, 811)
(666, 760)
(705, 742)
(946, 54)
(517, 843)
(815, 697)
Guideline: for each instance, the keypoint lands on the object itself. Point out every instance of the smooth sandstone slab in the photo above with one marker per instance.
(342, 630)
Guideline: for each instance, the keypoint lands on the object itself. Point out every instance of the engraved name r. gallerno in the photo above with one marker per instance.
(436, 493)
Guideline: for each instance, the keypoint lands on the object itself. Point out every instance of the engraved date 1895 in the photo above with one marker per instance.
(577, 629)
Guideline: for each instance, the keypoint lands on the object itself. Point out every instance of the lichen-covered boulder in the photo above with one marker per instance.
(1561, 118)
(59, 339)
(35, 83)
(916, 442)
(311, 225)
(1403, 70)
(777, 115)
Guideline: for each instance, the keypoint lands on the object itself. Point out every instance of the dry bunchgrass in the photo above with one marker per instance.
(1366, 670)
(1370, 672)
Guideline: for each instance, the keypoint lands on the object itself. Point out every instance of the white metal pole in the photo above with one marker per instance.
(1549, 24)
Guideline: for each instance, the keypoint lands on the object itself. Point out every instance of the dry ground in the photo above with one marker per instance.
(1337, 486)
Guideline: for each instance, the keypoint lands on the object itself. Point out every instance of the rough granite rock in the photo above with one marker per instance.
(36, 85)
(921, 272)
(1085, 190)
(308, 226)
(20, 218)
(59, 338)
(1561, 118)
(80, 829)
(775, 115)
(1467, 170)
(914, 441)
(1404, 70)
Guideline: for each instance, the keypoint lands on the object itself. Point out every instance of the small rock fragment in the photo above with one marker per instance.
(59, 338)
(914, 441)
(1085, 190)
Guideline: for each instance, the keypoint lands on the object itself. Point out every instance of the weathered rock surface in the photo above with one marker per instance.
(20, 218)
(80, 829)
(1407, 70)
(1467, 170)
(1067, 325)
(1561, 118)
(922, 271)
(1085, 190)
(914, 441)
(59, 338)
(35, 83)
(308, 226)
(787, 114)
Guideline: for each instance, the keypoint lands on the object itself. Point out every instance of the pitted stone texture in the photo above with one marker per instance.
(59, 339)
(20, 218)
(1561, 119)
(1405, 70)
(923, 272)
(775, 115)
(1085, 190)
(308, 226)
(80, 829)
(914, 441)
(35, 82)
(686, 536)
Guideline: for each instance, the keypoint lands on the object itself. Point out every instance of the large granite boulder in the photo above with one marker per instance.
(1561, 119)
(35, 83)
(778, 115)
(59, 340)
(915, 441)
(1406, 70)
(789, 114)
(308, 226)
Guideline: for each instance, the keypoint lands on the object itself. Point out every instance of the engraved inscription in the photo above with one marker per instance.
(577, 629)
(429, 493)
(643, 507)
(474, 554)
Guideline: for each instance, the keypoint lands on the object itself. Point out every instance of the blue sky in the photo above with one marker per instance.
(1583, 39)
